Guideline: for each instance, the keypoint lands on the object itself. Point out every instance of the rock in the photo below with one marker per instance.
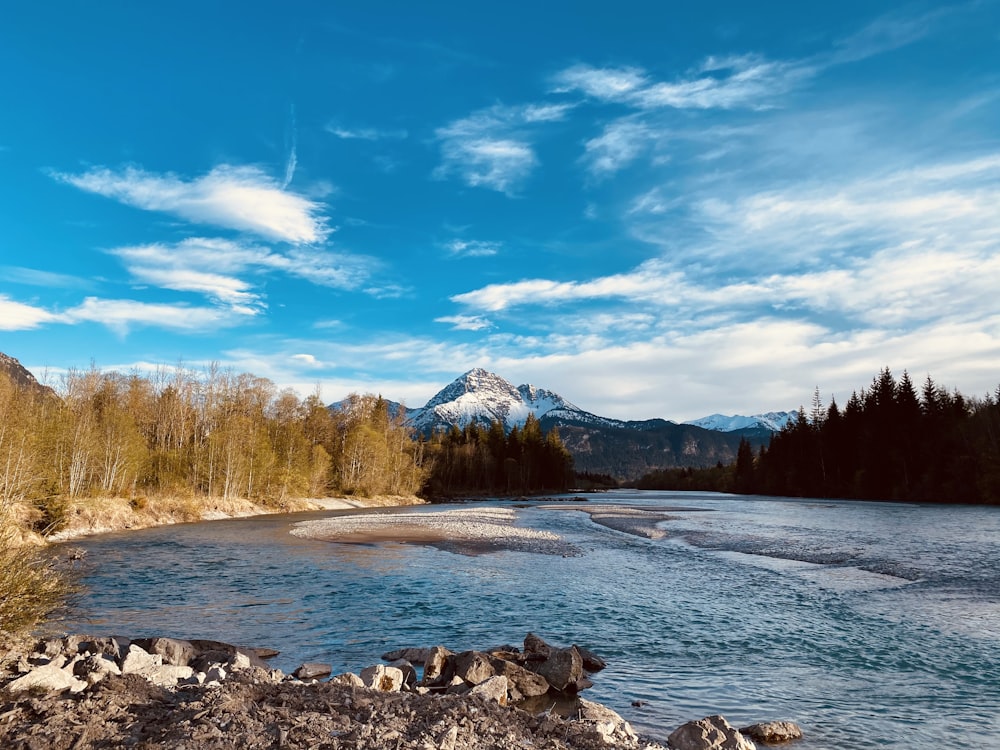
(48, 678)
(138, 660)
(473, 667)
(609, 726)
(173, 650)
(457, 686)
(216, 674)
(591, 661)
(710, 733)
(526, 683)
(95, 668)
(168, 675)
(348, 678)
(382, 678)
(448, 739)
(436, 666)
(773, 732)
(115, 647)
(563, 668)
(535, 648)
(412, 655)
(409, 673)
(227, 648)
(312, 670)
(264, 652)
(494, 688)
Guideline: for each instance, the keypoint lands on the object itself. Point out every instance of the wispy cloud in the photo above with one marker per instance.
(36, 277)
(473, 248)
(465, 322)
(364, 134)
(619, 145)
(242, 198)
(291, 142)
(493, 148)
(213, 267)
(121, 315)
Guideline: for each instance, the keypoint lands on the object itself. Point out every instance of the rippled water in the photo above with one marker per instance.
(870, 624)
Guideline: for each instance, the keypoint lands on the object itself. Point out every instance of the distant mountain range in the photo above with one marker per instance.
(20, 376)
(600, 445)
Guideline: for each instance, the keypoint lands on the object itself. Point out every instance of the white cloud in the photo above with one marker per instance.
(241, 198)
(364, 134)
(492, 148)
(465, 322)
(618, 146)
(17, 316)
(473, 248)
(608, 84)
(121, 315)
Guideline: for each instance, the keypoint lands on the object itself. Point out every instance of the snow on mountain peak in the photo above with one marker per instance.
(772, 420)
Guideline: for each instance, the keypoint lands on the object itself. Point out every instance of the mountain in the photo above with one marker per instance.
(773, 421)
(20, 376)
(600, 445)
(483, 397)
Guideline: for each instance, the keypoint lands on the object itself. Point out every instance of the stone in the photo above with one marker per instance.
(409, 672)
(773, 732)
(138, 660)
(48, 678)
(457, 686)
(173, 650)
(710, 733)
(494, 688)
(608, 725)
(216, 674)
(591, 661)
(563, 668)
(241, 662)
(312, 670)
(348, 678)
(113, 646)
(438, 666)
(526, 683)
(95, 668)
(473, 667)
(382, 678)
(412, 655)
(535, 648)
(204, 646)
(168, 675)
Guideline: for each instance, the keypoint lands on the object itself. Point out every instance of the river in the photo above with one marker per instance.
(872, 625)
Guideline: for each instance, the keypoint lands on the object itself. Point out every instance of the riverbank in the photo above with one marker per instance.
(89, 516)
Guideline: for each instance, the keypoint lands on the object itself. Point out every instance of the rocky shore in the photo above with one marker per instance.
(78, 692)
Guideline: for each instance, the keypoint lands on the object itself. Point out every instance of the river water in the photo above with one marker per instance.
(872, 625)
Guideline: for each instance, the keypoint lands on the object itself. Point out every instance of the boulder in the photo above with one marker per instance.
(168, 675)
(523, 683)
(137, 660)
(456, 686)
(536, 649)
(382, 678)
(473, 667)
(205, 647)
(591, 661)
(494, 688)
(49, 678)
(563, 668)
(438, 666)
(409, 672)
(609, 726)
(773, 732)
(710, 733)
(412, 655)
(114, 647)
(312, 670)
(95, 668)
(348, 678)
(173, 650)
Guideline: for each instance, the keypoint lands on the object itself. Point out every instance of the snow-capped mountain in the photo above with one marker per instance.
(484, 397)
(774, 421)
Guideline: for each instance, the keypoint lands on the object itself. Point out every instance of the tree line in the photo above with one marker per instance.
(489, 460)
(215, 434)
(889, 442)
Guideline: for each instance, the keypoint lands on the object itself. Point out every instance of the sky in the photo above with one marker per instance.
(655, 209)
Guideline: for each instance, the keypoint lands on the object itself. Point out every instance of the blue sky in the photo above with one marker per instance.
(652, 208)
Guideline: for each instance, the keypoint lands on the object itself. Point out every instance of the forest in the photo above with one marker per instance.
(889, 442)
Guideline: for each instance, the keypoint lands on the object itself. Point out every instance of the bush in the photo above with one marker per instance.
(32, 585)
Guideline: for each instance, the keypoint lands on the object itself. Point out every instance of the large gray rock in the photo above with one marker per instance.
(312, 670)
(608, 725)
(591, 661)
(473, 667)
(114, 647)
(523, 683)
(563, 668)
(439, 666)
(382, 678)
(95, 667)
(409, 672)
(535, 648)
(412, 655)
(494, 688)
(168, 675)
(773, 732)
(173, 650)
(348, 678)
(138, 660)
(49, 678)
(710, 733)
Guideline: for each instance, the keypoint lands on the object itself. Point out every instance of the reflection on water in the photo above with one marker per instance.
(872, 625)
